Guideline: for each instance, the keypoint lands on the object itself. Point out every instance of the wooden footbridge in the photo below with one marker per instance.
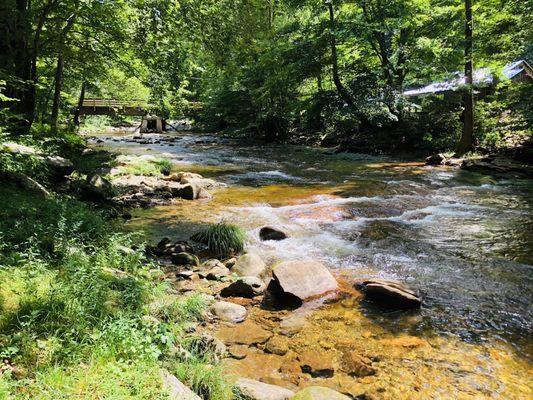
(113, 107)
(149, 123)
(132, 107)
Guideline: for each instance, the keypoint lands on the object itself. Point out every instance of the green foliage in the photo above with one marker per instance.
(504, 118)
(61, 223)
(81, 311)
(145, 165)
(222, 239)
(99, 378)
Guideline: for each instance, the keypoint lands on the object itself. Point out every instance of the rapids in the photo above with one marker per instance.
(464, 239)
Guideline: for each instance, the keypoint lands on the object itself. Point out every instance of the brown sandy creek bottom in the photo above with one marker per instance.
(338, 341)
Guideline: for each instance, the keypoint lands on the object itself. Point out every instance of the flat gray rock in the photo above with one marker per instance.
(177, 390)
(255, 390)
(229, 312)
(304, 279)
(249, 264)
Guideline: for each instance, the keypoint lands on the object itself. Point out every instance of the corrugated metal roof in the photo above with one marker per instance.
(513, 69)
(482, 76)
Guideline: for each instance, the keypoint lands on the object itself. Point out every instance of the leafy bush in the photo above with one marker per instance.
(81, 313)
(222, 239)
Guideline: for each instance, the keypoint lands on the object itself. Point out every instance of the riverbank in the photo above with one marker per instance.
(84, 313)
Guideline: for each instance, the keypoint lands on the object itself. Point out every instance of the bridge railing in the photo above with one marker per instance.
(110, 103)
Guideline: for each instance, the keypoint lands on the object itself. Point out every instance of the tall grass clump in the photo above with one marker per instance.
(222, 239)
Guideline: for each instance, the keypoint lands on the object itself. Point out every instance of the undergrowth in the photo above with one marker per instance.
(83, 313)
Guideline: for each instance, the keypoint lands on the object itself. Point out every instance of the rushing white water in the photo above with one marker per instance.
(463, 239)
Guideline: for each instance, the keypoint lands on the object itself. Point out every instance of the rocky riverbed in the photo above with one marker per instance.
(461, 240)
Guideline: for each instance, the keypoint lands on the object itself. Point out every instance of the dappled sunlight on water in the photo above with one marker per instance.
(465, 240)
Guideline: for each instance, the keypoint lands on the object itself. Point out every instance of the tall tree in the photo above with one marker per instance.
(58, 81)
(467, 138)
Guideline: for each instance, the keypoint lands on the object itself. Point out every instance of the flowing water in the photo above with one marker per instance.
(463, 239)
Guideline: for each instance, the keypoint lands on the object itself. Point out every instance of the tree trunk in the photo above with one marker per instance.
(467, 138)
(22, 68)
(80, 104)
(59, 73)
(334, 61)
(57, 92)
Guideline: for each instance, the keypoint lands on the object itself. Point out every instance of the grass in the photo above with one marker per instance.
(222, 239)
(144, 165)
(80, 317)
(96, 379)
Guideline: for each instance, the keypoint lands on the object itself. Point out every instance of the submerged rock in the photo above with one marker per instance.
(355, 365)
(248, 333)
(317, 364)
(301, 280)
(319, 393)
(255, 390)
(390, 293)
(249, 264)
(277, 345)
(247, 286)
(269, 233)
(238, 351)
(229, 312)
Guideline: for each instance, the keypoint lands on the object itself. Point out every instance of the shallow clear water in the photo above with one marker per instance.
(463, 239)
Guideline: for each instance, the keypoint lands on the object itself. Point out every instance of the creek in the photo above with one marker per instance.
(463, 239)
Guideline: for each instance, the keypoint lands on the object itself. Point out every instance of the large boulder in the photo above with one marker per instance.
(436, 159)
(176, 389)
(319, 393)
(255, 390)
(59, 166)
(15, 148)
(269, 233)
(247, 286)
(249, 264)
(229, 312)
(187, 192)
(301, 279)
(185, 259)
(389, 293)
(98, 188)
